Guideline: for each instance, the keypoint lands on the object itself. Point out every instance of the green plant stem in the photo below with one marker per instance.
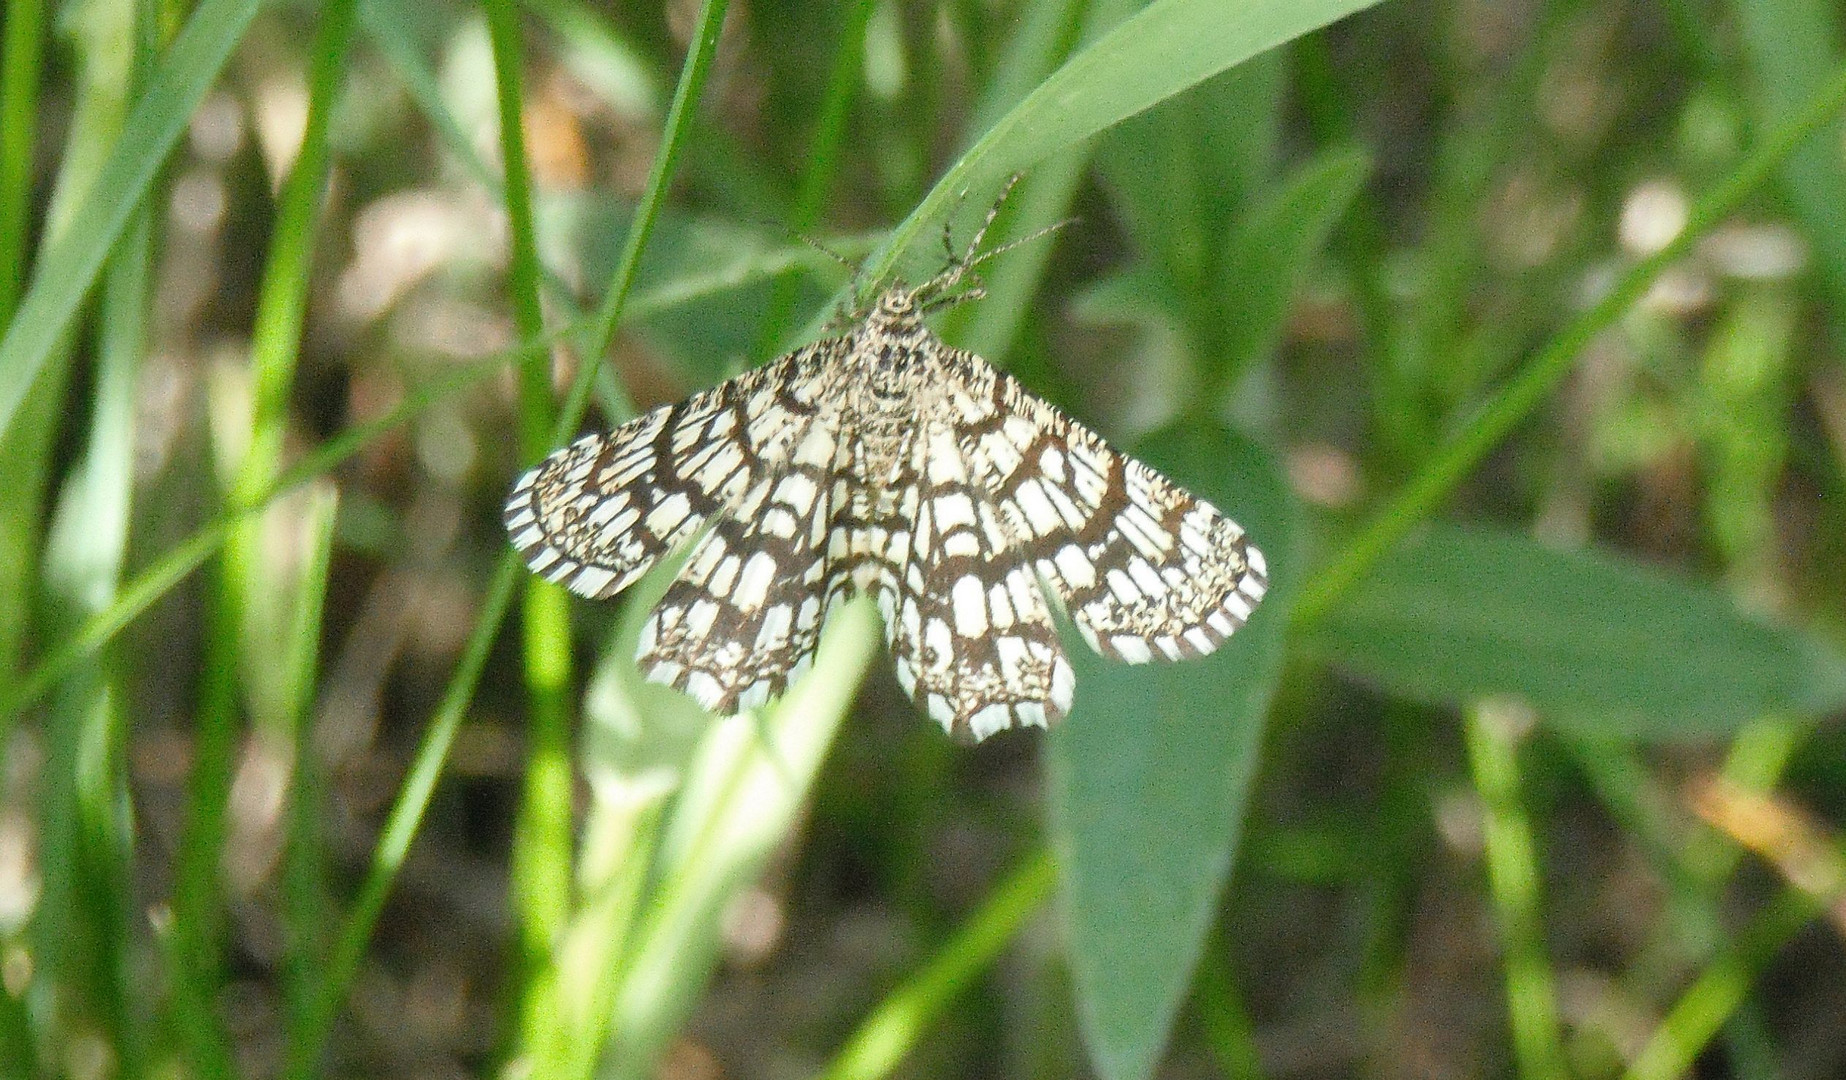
(1721, 988)
(83, 924)
(523, 271)
(1695, 867)
(304, 890)
(541, 857)
(1523, 393)
(103, 87)
(894, 1027)
(104, 801)
(1513, 875)
(275, 343)
(21, 62)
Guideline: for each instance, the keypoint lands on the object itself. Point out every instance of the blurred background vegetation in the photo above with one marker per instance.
(1512, 332)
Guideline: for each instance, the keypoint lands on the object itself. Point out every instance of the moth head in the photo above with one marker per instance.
(897, 302)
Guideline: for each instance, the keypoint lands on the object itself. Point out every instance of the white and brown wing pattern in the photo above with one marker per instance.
(1146, 570)
(742, 618)
(971, 636)
(597, 514)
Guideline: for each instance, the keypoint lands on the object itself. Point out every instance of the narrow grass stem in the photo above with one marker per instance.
(893, 1029)
(84, 924)
(21, 62)
(304, 914)
(1718, 991)
(541, 857)
(1513, 875)
(275, 343)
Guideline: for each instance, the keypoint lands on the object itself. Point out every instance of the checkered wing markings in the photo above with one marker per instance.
(597, 514)
(1146, 570)
(741, 620)
(970, 634)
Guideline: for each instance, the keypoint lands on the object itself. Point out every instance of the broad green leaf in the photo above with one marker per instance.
(1590, 639)
(186, 71)
(1149, 775)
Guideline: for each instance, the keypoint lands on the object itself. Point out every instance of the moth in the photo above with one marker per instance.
(885, 462)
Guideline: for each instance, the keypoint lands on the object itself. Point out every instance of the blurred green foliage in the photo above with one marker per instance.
(287, 302)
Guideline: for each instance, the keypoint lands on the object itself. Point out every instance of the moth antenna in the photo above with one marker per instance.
(939, 292)
(1027, 239)
(825, 250)
(794, 234)
(975, 290)
(980, 234)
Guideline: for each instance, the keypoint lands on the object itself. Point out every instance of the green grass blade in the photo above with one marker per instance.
(305, 896)
(69, 267)
(83, 922)
(1721, 988)
(105, 56)
(304, 901)
(242, 576)
(1513, 879)
(21, 61)
(892, 1030)
(1169, 46)
(407, 812)
(86, 845)
(541, 858)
